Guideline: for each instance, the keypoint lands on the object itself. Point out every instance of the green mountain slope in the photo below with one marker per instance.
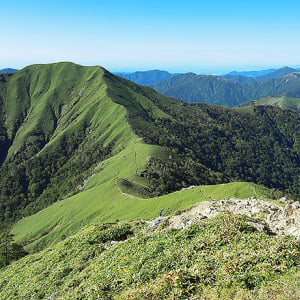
(95, 139)
(57, 125)
(241, 144)
(284, 102)
(80, 146)
(108, 202)
(216, 90)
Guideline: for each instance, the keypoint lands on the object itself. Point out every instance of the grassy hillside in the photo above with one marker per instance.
(58, 124)
(219, 258)
(284, 102)
(216, 90)
(107, 202)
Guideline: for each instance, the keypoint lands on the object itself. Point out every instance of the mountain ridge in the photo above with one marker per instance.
(210, 89)
(252, 73)
(277, 73)
(146, 77)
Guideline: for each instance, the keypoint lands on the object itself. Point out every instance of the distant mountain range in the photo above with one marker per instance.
(252, 73)
(190, 87)
(270, 75)
(146, 77)
(272, 86)
(154, 76)
(8, 70)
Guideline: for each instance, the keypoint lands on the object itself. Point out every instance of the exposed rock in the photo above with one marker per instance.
(85, 182)
(257, 226)
(281, 220)
(53, 296)
(154, 223)
(283, 199)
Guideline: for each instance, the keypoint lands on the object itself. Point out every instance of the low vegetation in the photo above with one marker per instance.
(223, 257)
(284, 102)
(66, 217)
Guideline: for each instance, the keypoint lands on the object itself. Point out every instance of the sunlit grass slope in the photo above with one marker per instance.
(284, 102)
(106, 202)
(57, 117)
(46, 99)
(219, 258)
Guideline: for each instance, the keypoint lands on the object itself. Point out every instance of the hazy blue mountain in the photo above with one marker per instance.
(146, 77)
(190, 87)
(252, 73)
(271, 75)
(276, 74)
(8, 70)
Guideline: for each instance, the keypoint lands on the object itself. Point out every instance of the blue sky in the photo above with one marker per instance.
(179, 36)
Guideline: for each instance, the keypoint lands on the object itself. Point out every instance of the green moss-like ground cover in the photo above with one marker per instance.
(219, 256)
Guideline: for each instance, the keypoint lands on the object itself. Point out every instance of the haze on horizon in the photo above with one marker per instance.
(179, 36)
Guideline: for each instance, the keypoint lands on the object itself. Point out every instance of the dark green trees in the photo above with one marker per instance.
(9, 250)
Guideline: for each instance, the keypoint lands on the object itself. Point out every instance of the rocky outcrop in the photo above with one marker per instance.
(268, 216)
(156, 222)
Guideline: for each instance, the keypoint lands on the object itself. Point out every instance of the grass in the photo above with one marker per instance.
(219, 258)
(284, 102)
(107, 203)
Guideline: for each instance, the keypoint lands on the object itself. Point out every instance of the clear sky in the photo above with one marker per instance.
(175, 35)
